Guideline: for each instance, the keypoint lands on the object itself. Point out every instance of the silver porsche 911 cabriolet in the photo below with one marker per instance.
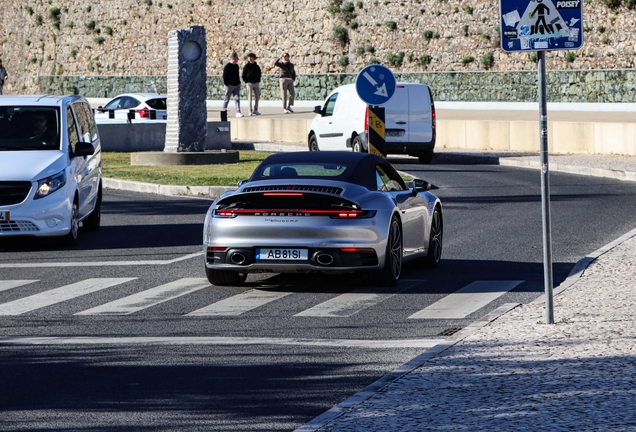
(322, 212)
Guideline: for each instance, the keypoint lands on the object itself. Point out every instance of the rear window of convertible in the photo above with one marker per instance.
(292, 170)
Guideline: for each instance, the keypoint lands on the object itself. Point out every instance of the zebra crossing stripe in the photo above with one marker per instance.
(149, 298)
(9, 284)
(58, 295)
(351, 303)
(239, 304)
(467, 300)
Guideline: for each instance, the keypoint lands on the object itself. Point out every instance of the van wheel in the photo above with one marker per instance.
(426, 157)
(313, 143)
(356, 145)
(70, 239)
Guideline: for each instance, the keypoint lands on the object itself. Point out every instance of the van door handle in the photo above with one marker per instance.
(400, 122)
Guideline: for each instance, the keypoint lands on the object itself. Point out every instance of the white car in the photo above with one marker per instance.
(50, 167)
(149, 106)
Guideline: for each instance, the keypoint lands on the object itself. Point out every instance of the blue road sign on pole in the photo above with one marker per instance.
(541, 25)
(375, 84)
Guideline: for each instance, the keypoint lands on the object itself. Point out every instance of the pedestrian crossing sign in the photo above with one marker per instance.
(541, 25)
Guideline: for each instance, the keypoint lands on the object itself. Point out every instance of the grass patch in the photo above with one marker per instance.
(117, 165)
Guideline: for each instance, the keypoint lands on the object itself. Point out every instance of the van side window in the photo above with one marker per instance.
(73, 137)
(83, 121)
(330, 104)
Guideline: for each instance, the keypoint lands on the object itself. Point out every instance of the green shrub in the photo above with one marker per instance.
(88, 8)
(74, 53)
(468, 10)
(343, 61)
(600, 29)
(467, 59)
(359, 5)
(427, 35)
(90, 25)
(487, 60)
(70, 24)
(392, 25)
(369, 49)
(29, 10)
(38, 20)
(99, 40)
(353, 25)
(395, 59)
(425, 59)
(360, 50)
(108, 30)
(340, 34)
(570, 57)
(605, 40)
(612, 4)
(27, 42)
(373, 60)
(465, 30)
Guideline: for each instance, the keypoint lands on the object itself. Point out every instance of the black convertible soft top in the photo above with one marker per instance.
(361, 172)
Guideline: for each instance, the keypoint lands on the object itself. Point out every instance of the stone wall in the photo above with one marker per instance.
(129, 37)
(562, 86)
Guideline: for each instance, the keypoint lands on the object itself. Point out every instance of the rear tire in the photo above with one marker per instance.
(426, 157)
(93, 221)
(390, 274)
(313, 143)
(70, 239)
(356, 145)
(225, 277)
(435, 240)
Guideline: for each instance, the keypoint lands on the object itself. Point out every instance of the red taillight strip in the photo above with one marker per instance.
(217, 248)
(258, 212)
(295, 194)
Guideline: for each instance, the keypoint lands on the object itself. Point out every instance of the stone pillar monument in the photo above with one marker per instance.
(186, 128)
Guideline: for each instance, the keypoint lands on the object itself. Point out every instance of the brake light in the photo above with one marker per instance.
(143, 113)
(217, 248)
(434, 117)
(338, 214)
(357, 250)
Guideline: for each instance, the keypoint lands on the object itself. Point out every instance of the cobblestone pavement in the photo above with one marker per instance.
(516, 372)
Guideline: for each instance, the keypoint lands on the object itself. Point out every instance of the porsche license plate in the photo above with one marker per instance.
(5, 216)
(281, 254)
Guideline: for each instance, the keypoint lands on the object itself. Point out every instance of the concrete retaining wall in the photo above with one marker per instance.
(150, 136)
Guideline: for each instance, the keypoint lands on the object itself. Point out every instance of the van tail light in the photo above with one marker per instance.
(144, 113)
(434, 117)
(366, 123)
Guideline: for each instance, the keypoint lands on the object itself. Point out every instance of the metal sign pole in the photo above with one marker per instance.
(545, 191)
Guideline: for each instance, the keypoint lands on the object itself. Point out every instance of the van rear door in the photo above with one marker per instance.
(420, 114)
(396, 116)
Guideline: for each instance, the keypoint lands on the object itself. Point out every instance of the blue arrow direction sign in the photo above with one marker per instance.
(375, 84)
(541, 25)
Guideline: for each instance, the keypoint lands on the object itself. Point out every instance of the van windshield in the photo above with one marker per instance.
(25, 128)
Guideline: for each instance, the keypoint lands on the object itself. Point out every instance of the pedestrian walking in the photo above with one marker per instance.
(3, 76)
(287, 75)
(252, 78)
(232, 84)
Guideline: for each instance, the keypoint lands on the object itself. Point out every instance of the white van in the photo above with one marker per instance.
(50, 167)
(342, 122)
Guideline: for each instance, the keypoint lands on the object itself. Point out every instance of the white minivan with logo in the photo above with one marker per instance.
(342, 122)
(50, 167)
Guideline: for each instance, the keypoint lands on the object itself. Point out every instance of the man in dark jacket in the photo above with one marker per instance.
(252, 79)
(232, 84)
(287, 75)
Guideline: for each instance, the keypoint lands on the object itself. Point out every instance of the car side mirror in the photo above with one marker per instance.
(318, 109)
(420, 185)
(83, 149)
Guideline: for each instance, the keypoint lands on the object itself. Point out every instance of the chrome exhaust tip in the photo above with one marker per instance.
(324, 259)
(237, 258)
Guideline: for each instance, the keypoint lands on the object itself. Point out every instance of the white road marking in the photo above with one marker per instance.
(10, 284)
(58, 295)
(149, 298)
(100, 263)
(240, 303)
(204, 340)
(467, 300)
(351, 303)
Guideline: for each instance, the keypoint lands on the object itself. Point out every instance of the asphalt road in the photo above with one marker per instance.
(276, 366)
